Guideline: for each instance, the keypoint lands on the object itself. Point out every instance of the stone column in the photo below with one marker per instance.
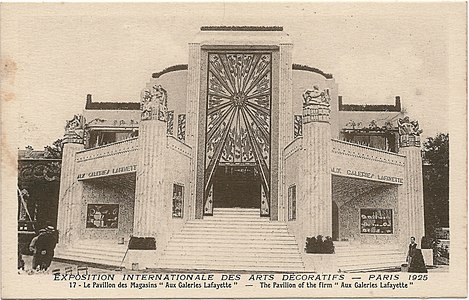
(71, 190)
(316, 172)
(192, 128)
(411, 206)
(285, 116)
(149, 191)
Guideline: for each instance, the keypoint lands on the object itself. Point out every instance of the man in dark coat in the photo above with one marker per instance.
(52, 239)
(37, 247)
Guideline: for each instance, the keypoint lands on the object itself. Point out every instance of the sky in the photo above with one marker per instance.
(55, 54)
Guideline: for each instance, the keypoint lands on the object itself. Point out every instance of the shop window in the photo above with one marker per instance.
(292, 203)
(102, 216)
(178, 200)
(376, 221)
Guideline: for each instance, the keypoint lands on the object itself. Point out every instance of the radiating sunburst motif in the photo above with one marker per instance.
(238, 113)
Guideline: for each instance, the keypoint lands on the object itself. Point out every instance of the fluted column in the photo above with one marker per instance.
(316, 175)
(71, 190)
(149, 191)
(285, 117)
(192, 128)
(411, 206)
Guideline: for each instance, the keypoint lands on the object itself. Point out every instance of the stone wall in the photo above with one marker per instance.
(292, 157)
(177, 171)
(349, 216)
(104, 191)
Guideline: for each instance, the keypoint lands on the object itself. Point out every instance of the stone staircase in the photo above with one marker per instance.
(233, 239)
(102, 252)
(364, 258)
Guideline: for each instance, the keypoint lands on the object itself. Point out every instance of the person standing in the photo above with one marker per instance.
(52, 239)
(36, 248)
(410, 252)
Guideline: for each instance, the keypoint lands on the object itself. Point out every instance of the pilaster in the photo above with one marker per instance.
(315, 173)
(411, 205)
(285, 116)
(149, 192)
(71, 190)
(193, 96)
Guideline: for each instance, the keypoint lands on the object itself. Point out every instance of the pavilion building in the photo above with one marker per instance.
(232, 161)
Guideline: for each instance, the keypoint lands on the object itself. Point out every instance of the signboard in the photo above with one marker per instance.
(376, 221)
(107, 172)
(102, 216)
(367, 175)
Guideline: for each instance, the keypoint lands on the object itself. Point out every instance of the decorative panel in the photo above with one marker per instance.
(376, 221)
(238, 113)
(182, 127)
(178, 200)
(298, 126)
(292, 203)
(102, 216)
(170, 124)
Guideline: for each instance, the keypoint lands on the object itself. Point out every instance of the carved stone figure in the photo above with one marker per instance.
(316, 96)
(316, 105)
(74, 130)
(154, 103)
(409, 132)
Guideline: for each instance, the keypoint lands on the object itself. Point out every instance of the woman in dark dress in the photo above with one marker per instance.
(412, 247)
(417, 263)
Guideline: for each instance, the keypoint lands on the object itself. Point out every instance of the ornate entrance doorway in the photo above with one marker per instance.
(238, 126)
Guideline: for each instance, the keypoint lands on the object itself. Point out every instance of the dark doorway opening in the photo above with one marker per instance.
(236, 186)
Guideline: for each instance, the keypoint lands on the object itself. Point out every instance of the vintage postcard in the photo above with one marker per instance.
(234, 150)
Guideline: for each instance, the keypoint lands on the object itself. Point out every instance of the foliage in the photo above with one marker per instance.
(54, 151)
(436, 182)
(319, 245)
(428, 243)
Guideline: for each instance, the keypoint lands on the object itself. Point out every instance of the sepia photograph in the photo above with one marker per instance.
(234, 150)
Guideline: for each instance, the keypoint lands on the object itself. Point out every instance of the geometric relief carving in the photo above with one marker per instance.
(292, 202)
(298, 126)
(178, 200)
(238, 113)
(182, 127)
(170, 123)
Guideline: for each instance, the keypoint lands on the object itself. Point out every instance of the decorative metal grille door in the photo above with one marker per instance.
(238, 116)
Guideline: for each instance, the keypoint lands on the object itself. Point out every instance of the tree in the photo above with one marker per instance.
(54, 151)
(436, 182)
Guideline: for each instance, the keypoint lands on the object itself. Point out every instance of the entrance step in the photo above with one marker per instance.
(233, 239)
(362, 258)
(93, 251)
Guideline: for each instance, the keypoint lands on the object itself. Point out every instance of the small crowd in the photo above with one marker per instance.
(42, 246)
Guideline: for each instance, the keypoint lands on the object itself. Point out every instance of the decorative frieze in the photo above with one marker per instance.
(409, 132)
(75, 130)
(154, 104)
(316, 105)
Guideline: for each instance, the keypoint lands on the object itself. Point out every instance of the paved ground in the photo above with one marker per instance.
(93, 269)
